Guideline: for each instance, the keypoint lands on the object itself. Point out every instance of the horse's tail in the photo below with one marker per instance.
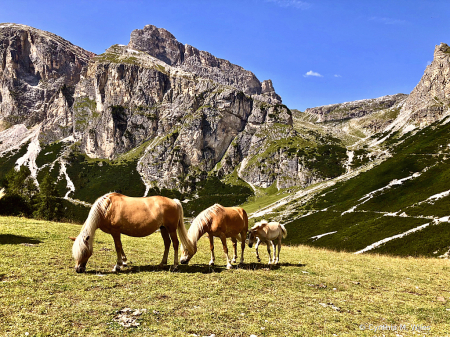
(2, 193)
(283, 229)
(245, 218)
(86, 237)
(182, 233)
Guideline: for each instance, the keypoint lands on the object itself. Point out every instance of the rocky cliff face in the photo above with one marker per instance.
(38, 73)
(356, 109)
(430, 99)
(162, 45)
(189, 109)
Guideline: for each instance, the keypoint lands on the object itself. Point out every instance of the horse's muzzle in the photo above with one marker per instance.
(81, 268)
(184, 261)
(250, 245)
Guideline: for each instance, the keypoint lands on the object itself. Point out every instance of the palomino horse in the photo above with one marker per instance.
(267, 232)
(117, 214)
(223, 222)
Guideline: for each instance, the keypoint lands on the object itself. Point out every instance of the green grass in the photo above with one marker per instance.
(94, 177)
(42, 294)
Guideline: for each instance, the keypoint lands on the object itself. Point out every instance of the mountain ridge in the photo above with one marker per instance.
(159, 117)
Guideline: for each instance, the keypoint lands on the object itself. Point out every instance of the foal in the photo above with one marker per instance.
(267, 232)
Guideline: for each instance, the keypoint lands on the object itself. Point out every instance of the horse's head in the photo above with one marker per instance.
(186, 255)
(252, 234)
(81, 252)
(251, 237)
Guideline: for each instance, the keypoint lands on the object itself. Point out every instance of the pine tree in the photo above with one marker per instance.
(20, 190)
(48, 204)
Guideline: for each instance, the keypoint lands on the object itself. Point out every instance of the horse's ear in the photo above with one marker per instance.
(72, 238)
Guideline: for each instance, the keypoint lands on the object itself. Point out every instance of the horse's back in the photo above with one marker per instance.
(140, 216)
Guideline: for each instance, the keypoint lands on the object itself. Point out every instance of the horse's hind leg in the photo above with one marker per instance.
(234, 241)
(119, 251)
(174, 237)
(225, 249)
(274, 251)
(166, 238)
(268, 250)
(279, 248)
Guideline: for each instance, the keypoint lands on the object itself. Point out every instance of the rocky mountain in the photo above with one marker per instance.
(160, 117)
(396, 198)
(355, 109)
(182, 114)
(429, 101)
(38, 73)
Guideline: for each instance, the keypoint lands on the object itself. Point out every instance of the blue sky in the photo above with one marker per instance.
(316, 52)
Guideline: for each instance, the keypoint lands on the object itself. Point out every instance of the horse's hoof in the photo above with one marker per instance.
(259, 260)
(211, 264)
(233, 261)
(116, 269)
(124, 264)
(229, 266)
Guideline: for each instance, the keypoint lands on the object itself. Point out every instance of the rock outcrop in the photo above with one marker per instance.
(161, 44)
(356, 109)
(430, 99)
(38, 73)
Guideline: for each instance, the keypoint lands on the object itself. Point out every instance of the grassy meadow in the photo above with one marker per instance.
(314, 292)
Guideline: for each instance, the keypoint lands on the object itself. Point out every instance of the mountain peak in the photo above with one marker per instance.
(160, 43)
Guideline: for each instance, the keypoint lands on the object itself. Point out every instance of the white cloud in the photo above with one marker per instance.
(387, 21)
(337, 75)
(291, 3)
(312, 73)
(428, 63)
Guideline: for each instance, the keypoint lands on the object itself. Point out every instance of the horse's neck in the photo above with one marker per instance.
(196, 232)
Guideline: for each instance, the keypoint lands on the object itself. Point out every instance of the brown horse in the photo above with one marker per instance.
(117, 214)
(223, 222)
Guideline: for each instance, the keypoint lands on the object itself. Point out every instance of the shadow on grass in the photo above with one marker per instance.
(197, 268)
(10, 239)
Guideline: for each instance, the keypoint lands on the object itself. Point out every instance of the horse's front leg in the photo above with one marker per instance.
(211, 247)
(119, 251)
(166, 238)
(225, 249)
(234, 241)
(242, 246)
(258, 241)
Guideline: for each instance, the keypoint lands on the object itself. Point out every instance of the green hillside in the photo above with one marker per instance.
(384, 201)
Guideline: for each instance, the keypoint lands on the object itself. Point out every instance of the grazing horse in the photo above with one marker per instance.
(223, 222)
(118, 214)
(267, 232)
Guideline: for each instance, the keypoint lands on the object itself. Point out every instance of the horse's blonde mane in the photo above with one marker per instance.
(259, 224)
(98, 211)
(203, 219)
